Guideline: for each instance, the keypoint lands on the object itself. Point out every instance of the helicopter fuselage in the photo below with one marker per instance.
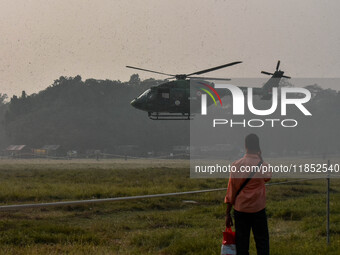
(173, 98)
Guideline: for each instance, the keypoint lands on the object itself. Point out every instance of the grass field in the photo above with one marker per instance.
(297, 211)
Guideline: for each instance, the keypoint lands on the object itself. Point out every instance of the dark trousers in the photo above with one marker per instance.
(258, 223)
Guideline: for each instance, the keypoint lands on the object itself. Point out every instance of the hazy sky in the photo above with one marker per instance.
(43, 40)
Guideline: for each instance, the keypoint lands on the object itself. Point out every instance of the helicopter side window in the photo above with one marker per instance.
(164, 93)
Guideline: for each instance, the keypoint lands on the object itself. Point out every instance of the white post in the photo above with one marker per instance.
(328, 189)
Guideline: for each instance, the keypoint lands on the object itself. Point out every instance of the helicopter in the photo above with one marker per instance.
(171, 100)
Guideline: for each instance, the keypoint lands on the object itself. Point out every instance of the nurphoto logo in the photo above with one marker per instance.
(298, 97)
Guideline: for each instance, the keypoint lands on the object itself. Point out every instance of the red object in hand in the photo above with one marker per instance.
(228, 236)
(228, 243)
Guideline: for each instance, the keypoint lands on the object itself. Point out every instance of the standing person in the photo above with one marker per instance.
(247, 193)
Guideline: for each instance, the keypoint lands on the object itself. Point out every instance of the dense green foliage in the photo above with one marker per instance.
(3, 109)
(96, 114)
(91, 114)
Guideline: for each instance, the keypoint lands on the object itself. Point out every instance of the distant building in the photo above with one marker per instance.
(52, 150)
(217, 148)
(129, 149)
(93, 153)
(181, 148)
(72, 154)
(17, 151)
(39, 152)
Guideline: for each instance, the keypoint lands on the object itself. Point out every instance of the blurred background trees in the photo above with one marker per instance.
(96, 114)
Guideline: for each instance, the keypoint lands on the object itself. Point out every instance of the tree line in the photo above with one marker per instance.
(96, 114)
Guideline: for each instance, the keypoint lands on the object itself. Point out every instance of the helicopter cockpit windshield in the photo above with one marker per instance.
(148, 95)
(145, 93)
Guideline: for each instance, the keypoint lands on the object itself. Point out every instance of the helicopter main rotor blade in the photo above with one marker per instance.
(267, 73)
(215, 68)
(146, 70)
(210, 78)
(288, 77)
(278, 65)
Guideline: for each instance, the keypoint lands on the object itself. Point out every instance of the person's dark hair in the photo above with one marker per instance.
(252, 142)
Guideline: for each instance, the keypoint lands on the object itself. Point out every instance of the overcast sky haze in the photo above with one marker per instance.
(43, 40)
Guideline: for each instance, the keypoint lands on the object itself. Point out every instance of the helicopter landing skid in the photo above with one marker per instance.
(170, 116)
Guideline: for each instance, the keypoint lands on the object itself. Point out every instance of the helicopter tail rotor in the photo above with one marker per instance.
(278, 65)
(267, 73)
(278, 73)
